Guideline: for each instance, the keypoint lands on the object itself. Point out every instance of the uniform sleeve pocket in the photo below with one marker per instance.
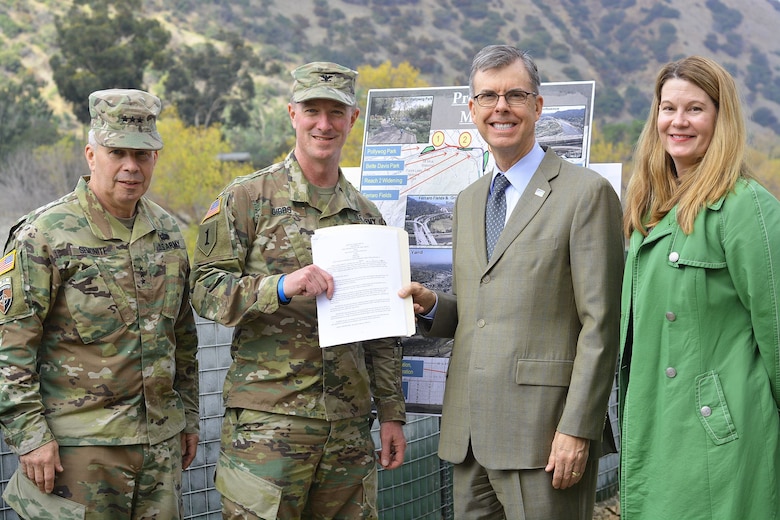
(175, 278)
(712, 409)
(543, 372)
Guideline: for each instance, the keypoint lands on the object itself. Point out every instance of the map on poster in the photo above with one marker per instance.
(421, 148)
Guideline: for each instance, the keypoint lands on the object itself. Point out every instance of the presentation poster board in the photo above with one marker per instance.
(421, 148)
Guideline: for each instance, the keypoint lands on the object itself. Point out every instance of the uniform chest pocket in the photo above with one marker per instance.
(92, 306)
(280, 246)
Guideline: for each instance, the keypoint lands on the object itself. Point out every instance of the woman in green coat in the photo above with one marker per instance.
(700, 323)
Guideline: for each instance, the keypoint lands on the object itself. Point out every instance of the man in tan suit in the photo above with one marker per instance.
(535, 323)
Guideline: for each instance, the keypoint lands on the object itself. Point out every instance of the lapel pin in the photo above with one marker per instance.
(539, 192)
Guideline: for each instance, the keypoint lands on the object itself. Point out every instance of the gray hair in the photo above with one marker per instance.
(500, 56)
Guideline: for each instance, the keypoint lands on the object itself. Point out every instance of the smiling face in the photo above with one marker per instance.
(508, 129)
(119, 176)
(686, 122)
(321, 129)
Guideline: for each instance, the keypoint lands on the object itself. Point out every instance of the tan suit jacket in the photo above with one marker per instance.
(536, 328)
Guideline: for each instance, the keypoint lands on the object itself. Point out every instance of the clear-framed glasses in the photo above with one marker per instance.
(513, 97)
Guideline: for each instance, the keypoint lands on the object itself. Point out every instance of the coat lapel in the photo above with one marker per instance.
(473, 205)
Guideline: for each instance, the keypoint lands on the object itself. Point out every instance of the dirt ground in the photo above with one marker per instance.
(607, 510)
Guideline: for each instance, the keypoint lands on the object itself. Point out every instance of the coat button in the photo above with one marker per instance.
(671, 372)
(486, 278)
(671, 316)
(706, 411)
(480, 323)
(674, 256)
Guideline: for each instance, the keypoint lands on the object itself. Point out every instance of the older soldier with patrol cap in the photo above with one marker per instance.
(296, 439)
(99, 394)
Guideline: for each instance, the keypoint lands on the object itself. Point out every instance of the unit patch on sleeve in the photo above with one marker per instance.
(207, 237)
(6, 295)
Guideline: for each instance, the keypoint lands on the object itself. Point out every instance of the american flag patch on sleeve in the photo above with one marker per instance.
(213, 209)
(7, 262)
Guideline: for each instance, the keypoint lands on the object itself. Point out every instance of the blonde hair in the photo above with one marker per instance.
(654, 189)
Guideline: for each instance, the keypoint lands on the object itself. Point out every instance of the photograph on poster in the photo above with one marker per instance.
(562, 129)
(429, 220)
(402, 119)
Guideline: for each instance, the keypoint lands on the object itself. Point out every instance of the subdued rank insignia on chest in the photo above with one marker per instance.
(7, 262)
(284, 210)
(6, 295)
(213, 209)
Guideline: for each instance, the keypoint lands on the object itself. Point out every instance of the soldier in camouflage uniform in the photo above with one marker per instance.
(296, 440)
(99, 394)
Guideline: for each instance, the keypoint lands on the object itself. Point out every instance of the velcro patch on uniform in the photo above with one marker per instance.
(207, 237)
(82, 251)
(8, 262)
(6, 295)
(13, 301)
(213, 209)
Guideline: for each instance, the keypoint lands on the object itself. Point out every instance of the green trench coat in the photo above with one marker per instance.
(700, 365)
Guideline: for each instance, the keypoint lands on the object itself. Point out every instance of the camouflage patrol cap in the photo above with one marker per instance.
(324, 80)
(125, 118)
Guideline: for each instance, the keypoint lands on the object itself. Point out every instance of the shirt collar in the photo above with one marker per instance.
(520, 173)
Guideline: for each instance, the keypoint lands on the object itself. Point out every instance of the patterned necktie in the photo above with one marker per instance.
(495, 212)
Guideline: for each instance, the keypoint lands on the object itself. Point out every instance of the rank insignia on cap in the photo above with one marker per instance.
(6, 295)
(7, 262)
(125, 118)
(324, 80)
(213, 209)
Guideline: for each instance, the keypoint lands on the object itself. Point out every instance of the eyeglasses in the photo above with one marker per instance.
(514, 97)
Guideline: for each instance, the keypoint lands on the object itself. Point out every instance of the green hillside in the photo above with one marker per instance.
(618, 43)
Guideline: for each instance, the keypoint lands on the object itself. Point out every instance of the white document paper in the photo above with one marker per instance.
(369, 264)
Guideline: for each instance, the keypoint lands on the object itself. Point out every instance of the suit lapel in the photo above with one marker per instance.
(472, 204)
(531, 201)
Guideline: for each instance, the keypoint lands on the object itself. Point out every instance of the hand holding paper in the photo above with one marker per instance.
(308, 281)
(368, 264)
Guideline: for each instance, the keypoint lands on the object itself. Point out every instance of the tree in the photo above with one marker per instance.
(31, 177)
(765, 117)
(759, 73)
(608, 102)
(189, 173)
(208, 85)
(383, 76)
(268, 134)
(763, 157)
(103, 44)
(614, 143)
(25, 118)
(637, 102)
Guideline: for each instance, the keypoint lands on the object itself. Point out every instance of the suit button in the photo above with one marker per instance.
(706, 411)
(486, 278)
(671, 372)
(674, 256)
(671, 316)
(480, 323)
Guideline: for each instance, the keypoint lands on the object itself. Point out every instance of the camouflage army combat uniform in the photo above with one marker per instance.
(97, 350)
(286, 396)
